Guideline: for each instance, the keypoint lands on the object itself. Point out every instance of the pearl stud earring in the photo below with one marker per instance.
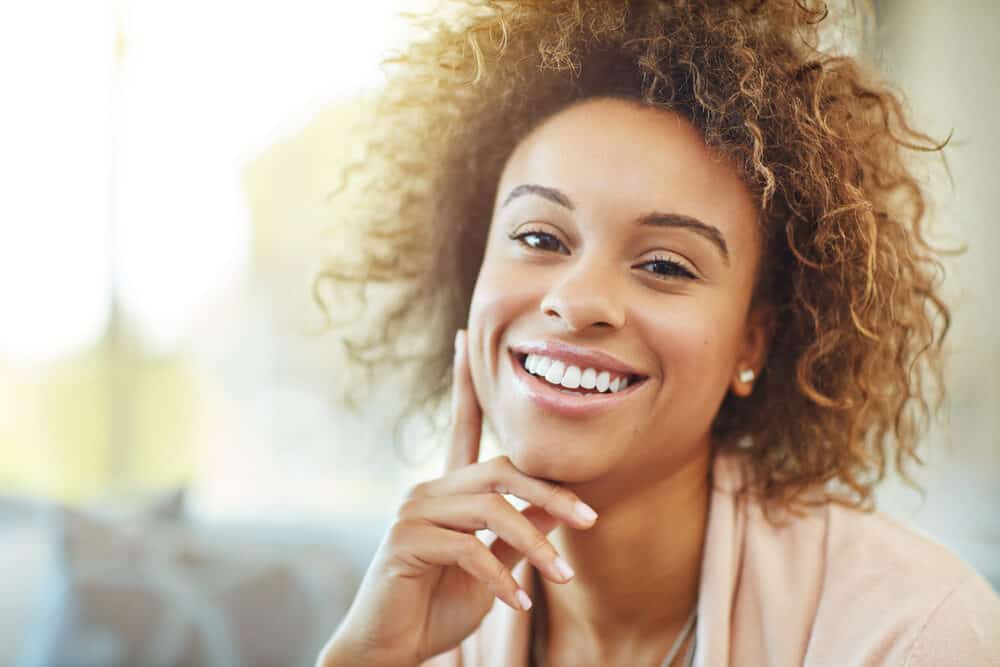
(747, 375)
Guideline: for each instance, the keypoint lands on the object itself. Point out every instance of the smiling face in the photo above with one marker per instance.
(618, 242)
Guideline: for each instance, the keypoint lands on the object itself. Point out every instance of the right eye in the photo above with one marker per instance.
(541, 241)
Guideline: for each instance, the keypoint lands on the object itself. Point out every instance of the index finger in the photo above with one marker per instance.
(466, 415)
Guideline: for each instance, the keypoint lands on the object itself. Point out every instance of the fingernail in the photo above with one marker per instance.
(458, 340)
(523, 599)
(585, 511)
(563, 567)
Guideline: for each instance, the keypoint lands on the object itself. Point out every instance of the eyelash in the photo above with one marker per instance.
(676, 269)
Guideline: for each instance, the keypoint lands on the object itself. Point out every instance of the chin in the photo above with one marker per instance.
(551, 460)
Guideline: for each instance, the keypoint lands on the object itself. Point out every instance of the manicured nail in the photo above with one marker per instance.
(563, 567)
(523, 599)
(585, 511)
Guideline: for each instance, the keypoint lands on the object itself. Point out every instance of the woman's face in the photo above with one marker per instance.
(619, 243)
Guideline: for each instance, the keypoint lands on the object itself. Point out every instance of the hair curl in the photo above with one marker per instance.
(856, 358)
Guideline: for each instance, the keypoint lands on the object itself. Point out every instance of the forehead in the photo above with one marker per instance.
(618, 160)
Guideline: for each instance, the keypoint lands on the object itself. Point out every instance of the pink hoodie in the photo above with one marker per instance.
(834, 587)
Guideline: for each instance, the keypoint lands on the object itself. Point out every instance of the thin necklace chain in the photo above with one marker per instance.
(539, 631)
(688, 627)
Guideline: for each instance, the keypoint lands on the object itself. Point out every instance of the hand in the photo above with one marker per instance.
(432, 580)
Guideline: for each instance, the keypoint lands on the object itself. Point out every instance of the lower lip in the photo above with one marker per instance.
(548, 397)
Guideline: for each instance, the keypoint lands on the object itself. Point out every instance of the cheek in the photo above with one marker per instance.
(497, 300)
(693, 341)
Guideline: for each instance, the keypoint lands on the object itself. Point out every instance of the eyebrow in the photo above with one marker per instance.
(531, 189)
(654, 219)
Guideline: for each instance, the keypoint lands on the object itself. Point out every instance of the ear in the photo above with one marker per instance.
(753, 351)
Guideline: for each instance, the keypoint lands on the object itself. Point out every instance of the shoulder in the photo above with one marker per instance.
(873, 551)
(942, 609)
(892, 594)
(836, 585)
(963, 628)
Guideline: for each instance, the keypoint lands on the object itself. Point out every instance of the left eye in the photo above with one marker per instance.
(668, 268)
(541, 241)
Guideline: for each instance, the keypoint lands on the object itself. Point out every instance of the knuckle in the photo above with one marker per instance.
(502, 463)
(502, 469)
(470, 546)
(499, 575)
(418, 490)
(496, 503)
(552, 497)
(399, 533)
(539, 544)
(407, 509)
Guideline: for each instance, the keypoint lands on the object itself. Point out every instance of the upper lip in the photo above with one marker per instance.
(577, 356)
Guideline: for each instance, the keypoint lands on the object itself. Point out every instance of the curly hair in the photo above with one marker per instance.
(855, 368)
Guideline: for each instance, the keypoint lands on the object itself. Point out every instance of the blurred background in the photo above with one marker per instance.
(178, 483)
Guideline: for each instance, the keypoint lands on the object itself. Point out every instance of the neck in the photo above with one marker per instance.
(638, 569)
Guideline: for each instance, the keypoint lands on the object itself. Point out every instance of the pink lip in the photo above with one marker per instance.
(549, 397)
(576, 356)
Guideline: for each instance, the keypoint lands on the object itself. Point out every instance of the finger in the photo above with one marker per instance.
(490, 511)
(466, 415)
(432, 544)
(501, 476)
(540, 519)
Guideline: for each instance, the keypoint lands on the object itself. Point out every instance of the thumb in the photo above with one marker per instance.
(466, 415)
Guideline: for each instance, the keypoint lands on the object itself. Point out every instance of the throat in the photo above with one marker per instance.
(638, 569)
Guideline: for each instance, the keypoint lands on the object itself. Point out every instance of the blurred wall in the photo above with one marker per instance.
(944, 56)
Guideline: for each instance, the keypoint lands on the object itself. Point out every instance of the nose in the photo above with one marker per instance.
(586, 296)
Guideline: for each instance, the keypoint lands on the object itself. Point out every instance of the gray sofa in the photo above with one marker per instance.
(156, 587)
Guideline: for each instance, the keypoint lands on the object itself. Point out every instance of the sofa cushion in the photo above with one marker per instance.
(155, 588)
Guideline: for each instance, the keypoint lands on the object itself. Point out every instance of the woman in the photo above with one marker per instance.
(702, 321)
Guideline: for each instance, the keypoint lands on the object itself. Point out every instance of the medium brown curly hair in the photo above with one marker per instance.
(855, 364)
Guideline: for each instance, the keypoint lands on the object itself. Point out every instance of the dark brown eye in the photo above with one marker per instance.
(541, 241)
(668, 268)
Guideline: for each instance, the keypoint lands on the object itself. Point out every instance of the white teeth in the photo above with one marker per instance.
(571, 379)
(531, 362)
(555, 372)
(542, 366)
(603, 381)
